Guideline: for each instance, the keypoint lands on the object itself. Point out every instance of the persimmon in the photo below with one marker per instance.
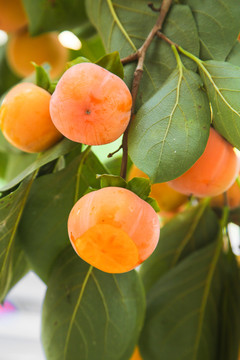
(213, 173)
(25, 119)
(113, 229)
(91, 105)
(12, 15)
(22, 49)
(233, 197)
(168, 199)
(136, 354)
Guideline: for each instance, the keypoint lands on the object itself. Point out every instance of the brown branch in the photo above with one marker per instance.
(166, 39)
(140, 56)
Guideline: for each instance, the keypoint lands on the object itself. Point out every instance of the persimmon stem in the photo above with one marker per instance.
(140, 57)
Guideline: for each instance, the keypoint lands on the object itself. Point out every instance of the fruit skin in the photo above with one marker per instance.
(45, 48)
(12, 15)
(122, 210)
(25, 119)
(168, 199)
(233, 197)
(136, 354)
(213, 173)
(91, 105)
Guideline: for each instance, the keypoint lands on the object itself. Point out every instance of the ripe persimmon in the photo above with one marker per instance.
(136, 354)
(168, 199)
(233, 197)
(25, 119)
(12, 15)
(22, 49)
(213, 173)
(113, 229)
(91, 105)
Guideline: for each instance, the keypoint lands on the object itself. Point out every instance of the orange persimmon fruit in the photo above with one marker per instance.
(25, 119)
(168, 199)
(233, 197)
(213, 173)
(136, 354)
(22, 49)
(12, 15)
(91, 105)
(113, 229)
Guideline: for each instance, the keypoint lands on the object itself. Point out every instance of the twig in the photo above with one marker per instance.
(114, 152)
(166, 39)
(140, 56)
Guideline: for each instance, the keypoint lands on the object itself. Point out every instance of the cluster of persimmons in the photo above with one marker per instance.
(23, 49)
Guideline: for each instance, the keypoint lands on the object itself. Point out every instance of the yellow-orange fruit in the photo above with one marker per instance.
(22, 49)
(168, 199)
(213, 173)
(113, 229)
(91, 105)
(12, 15)
(233, 197)
(136, 354)
(25, 119)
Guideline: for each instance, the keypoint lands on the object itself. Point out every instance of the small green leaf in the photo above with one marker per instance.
(90, 314)
(78, 60)
(140, 186)
(111, 180)
(153, 203)
(42, 78)
(222, 82)
(112, 63)
(170, 131)
(185, 233)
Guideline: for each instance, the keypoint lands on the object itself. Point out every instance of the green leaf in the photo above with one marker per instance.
(111, 180)
(12, 207)
(234, 55)
(42, 77)
(218, 26)
(63, 147)
(140, 186)
(153, 203)
(89, 314)
(124, 27)
(45, 15)
(170, 131)
(43, 228)
(182, 315)
(91, 49)
(78, 60)
(222, 82)
(229, 311)
(184, 234)
(112, 63)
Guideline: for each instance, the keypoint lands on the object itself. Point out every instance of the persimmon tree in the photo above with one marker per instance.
(180, 59)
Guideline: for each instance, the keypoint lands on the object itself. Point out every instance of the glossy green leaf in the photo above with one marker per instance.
(78, 60)
(89, 314)
(222, 82)
(230, 310)
(63, 147)
(111, 180)
(170, 131)
(218, 26)
(124, 26)
(184, 234)
(112, 63)
(42, 77)
(153, 203)
(11, 209)
(45, 15)
(43, 228)
(182, 314)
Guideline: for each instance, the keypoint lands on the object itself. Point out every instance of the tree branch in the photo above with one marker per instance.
(140, 56)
